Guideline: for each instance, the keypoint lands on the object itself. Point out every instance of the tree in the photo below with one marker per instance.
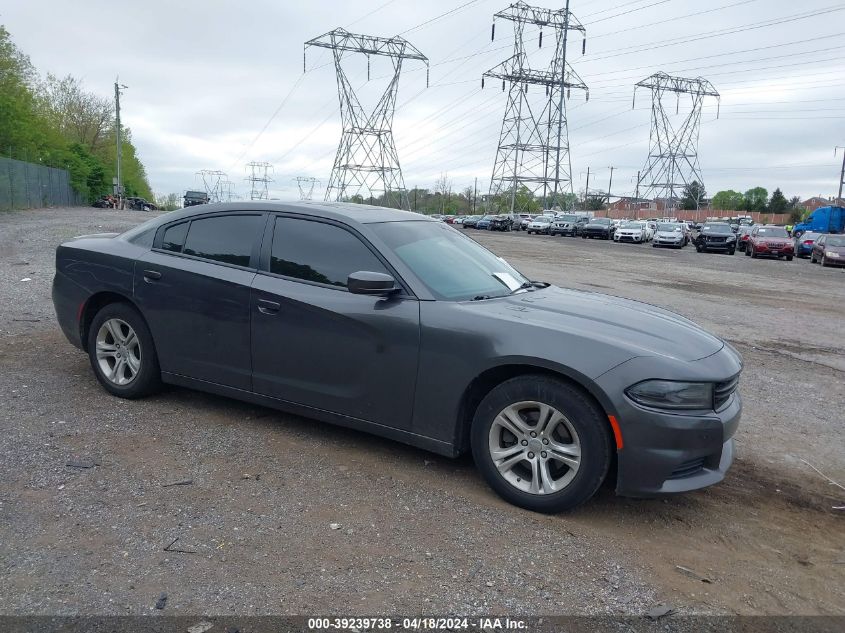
(729, 200)
(794, 203)
(778, 202)
(169, 202)
(693, 195)
(80, 116)
(756, 200)
(797, 214)
(594, 203)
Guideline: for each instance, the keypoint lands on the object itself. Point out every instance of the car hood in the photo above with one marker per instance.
(669, 234)
(641, 329)
(840, 250)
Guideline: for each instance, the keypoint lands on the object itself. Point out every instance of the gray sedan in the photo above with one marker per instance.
(401, 326)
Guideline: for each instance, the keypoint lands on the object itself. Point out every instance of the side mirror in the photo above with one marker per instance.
(370, 283)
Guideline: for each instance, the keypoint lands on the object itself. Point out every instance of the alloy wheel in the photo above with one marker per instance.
(535, 448)
(118, 352)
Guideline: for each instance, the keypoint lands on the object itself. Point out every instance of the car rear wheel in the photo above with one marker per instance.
(122, 352)
(541, 443)
(789, 258)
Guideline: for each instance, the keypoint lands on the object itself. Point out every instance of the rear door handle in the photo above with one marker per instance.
(151, 274)
(268, 307)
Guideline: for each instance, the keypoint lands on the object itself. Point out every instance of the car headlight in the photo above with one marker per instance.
(732, 238)
(831, 254)
(668, 394)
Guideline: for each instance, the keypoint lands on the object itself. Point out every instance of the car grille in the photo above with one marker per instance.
(688, 469)
(717, 240)
(724, 391)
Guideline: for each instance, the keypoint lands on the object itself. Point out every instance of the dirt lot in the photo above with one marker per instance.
(86, 515)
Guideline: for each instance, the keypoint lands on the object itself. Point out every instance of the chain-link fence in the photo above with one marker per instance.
(30, 186)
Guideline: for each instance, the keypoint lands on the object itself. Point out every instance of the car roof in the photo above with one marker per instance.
(343, 211)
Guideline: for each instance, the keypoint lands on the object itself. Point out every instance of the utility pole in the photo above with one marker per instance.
(842, 174)
(587, 190)
(118, 182)
(474, 195)
(637, 196)
(610, 185)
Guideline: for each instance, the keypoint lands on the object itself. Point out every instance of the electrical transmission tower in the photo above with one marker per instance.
(212, 182)
(259, 179)
(227, 192)
(673, 149)
(534, 142)
(367, 161)
(306, 187)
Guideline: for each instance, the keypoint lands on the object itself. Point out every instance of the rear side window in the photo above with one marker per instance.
(318, 252)
(228, 239)
(174, 237)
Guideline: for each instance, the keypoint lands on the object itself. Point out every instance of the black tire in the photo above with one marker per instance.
(747, 252)
(147, 380)
(698, 249)
(753, 254)
(789, 258)
(733, 252)
(583, 414)
(583, 236)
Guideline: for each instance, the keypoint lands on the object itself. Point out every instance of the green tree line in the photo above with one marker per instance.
(758, 199)
(56, 122)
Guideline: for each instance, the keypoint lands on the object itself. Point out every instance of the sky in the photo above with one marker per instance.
(215, 85)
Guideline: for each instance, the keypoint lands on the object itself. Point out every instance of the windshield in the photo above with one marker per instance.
(487, 217)
(772, 232)
(601, 221)
(566, 218)
(542, 218)
(668, 228)
(632, 225)
(835, 240)
(716, 228)
(452, 266)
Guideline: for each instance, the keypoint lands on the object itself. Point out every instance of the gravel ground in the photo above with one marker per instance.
(284, 515)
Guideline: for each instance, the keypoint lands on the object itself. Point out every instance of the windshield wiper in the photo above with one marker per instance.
(481, 298)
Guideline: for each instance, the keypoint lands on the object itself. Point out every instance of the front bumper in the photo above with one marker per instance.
(636, 239)
(718, 246)
(666, 453)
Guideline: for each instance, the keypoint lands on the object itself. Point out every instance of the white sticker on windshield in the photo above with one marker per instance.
(509, 281)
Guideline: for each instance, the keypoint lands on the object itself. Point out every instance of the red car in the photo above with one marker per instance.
(770, 241)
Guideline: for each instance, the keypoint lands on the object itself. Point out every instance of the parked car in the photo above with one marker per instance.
(194, 198)
(568, 224)
(804, 244)
(522, 221)
(282, 305)
(599, 228)
(770, 241)
(742, 237)
(449, 219)
(484, 222)
(470, 221)
(501, 222)
(829, 250)
(716, 236)
(672, 235)
(541, 225)
(458, 219)
(634, 232)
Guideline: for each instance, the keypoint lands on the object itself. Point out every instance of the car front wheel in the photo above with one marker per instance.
(541, 443)
(122, 352)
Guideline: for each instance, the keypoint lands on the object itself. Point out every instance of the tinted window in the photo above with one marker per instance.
(323, 253)
(174, 237)
(228, 239)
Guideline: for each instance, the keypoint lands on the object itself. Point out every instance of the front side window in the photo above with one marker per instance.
(228, 239)
(319, 252)
(451, 265)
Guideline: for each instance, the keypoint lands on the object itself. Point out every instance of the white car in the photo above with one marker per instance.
(540, 224)
(635, 232)
(670, 234)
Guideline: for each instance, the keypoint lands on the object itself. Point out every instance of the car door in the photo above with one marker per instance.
(818, 247)
(193, 289)
(316, 344)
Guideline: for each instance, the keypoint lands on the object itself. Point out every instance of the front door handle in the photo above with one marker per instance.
(149, 275)
(268, 307)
